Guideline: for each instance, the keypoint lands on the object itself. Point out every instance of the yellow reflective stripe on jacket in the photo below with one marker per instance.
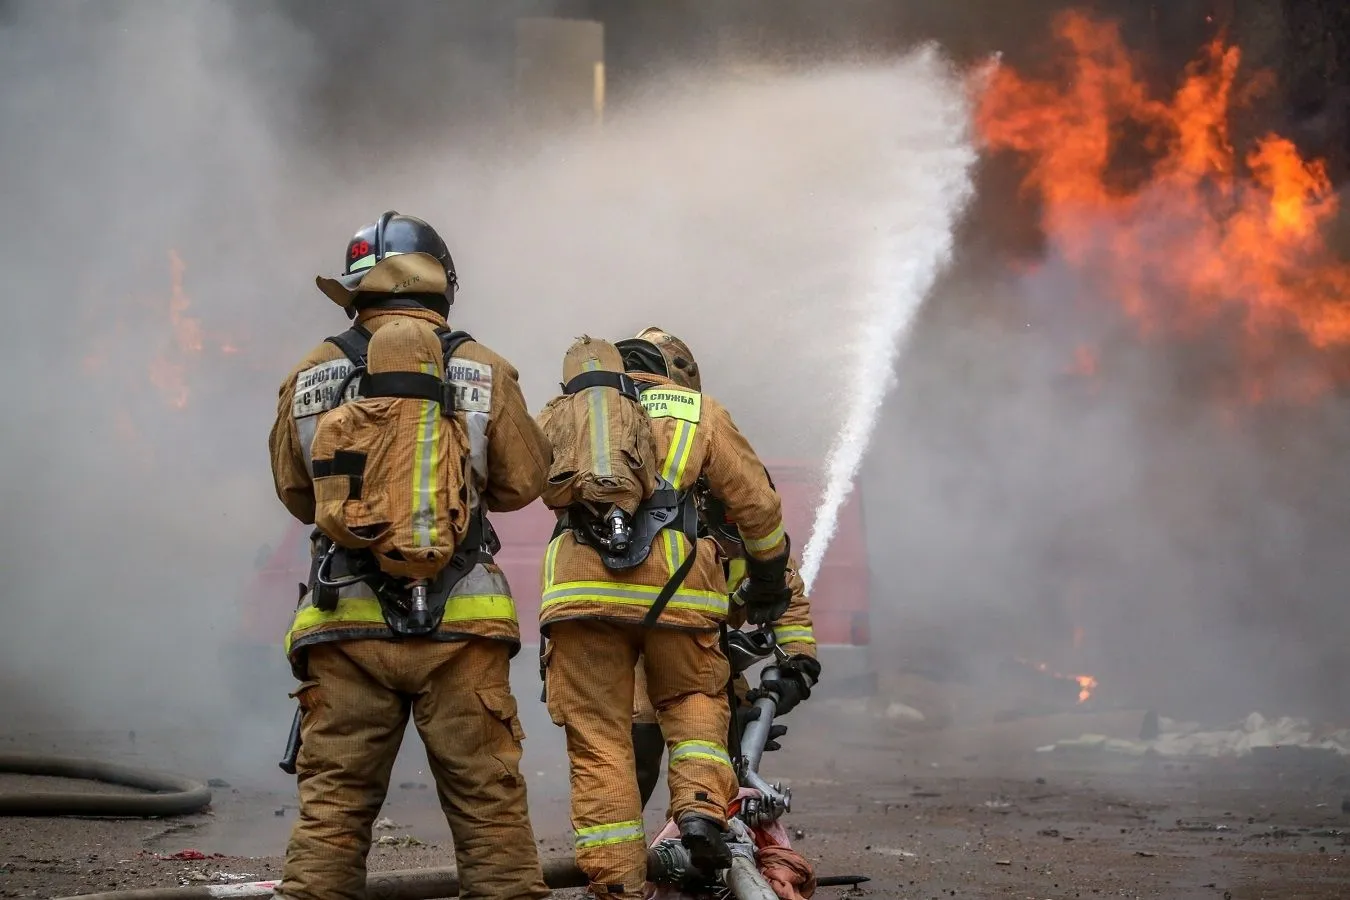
(632, 595)
(673, 542)
(757, 545)
(366, 611)
(424, 471)
(789, 634)
(687, 408)
(604, 835)
(678, 457)
(700, 750)
(736, 572)
(620, 593)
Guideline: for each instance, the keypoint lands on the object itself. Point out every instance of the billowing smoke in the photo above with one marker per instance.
(178, 173)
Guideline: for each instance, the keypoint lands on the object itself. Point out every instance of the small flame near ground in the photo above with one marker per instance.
(1086, 683)
(1147, 201)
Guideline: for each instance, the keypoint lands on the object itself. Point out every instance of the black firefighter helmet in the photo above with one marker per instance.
(372, 264)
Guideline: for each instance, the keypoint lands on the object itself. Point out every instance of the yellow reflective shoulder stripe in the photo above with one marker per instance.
(604, 835)
(631, 595)
(768, 542)
(677, 457)
(366, 611)
(700, 750)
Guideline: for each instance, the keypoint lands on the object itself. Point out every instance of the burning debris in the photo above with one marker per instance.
(1147, 201)
(1086, 683)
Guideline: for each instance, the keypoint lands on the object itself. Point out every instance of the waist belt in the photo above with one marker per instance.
(336, 567)
(665, 508)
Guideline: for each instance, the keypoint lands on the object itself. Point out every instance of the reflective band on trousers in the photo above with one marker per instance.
(784, 634)
(700, 750)
(604, 835)
(757, 545)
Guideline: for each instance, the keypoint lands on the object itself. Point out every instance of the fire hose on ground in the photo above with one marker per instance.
(407, 884)
(170, 795)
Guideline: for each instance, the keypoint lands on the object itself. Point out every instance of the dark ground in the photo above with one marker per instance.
(968, 813)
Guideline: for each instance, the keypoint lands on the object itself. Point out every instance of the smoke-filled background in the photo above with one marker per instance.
(183, 170)
(175, 174)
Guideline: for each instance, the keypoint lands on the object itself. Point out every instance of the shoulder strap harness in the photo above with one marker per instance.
(665, 508)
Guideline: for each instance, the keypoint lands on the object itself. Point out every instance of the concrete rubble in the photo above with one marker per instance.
(1190, 739)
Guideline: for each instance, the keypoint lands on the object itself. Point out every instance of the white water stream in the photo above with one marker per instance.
(916, 216)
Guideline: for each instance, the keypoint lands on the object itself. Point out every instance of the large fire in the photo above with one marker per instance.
(1205, 235)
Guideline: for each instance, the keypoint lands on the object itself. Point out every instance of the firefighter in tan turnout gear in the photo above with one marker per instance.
(793, 632)
(395, 438)
(617, 586)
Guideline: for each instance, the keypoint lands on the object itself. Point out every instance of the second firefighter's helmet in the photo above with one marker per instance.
(659, 352)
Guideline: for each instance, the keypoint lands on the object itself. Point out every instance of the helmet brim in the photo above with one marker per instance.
(395, 274)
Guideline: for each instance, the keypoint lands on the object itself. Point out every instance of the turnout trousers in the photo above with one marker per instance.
(590, 678)
(356, 701)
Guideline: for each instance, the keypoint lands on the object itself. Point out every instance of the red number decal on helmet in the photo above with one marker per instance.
(360, 249)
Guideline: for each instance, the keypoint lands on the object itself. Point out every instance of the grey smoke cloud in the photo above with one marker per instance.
(729, 210)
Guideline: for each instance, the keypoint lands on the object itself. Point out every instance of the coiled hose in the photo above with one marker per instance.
(170, 795)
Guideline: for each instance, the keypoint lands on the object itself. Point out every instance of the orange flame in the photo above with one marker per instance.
(1086, 683)
(1204, 235)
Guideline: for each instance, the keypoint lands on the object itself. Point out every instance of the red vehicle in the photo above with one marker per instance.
(839, 596)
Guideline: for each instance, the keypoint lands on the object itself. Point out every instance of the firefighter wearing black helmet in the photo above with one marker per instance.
(363, 672)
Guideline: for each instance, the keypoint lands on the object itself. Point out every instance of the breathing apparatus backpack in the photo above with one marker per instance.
(603, 480)
(390, 464)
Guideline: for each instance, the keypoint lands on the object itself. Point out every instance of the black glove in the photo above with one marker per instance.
(765, 593)
(747, 714)
(792, 685)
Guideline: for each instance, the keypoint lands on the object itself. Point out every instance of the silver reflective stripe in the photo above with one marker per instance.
(598, 402)
(476, 423)
(481, 580)
(306, 427)
(603, 835)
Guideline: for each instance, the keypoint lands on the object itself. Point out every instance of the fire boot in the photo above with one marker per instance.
(703, 838)
(649, 745)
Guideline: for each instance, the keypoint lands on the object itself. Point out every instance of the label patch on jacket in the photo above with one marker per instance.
(473, 384)
(673, 403)
(316, 388)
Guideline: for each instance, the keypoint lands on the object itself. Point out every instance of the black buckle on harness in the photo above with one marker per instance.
(619, 381)
(413, 385)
